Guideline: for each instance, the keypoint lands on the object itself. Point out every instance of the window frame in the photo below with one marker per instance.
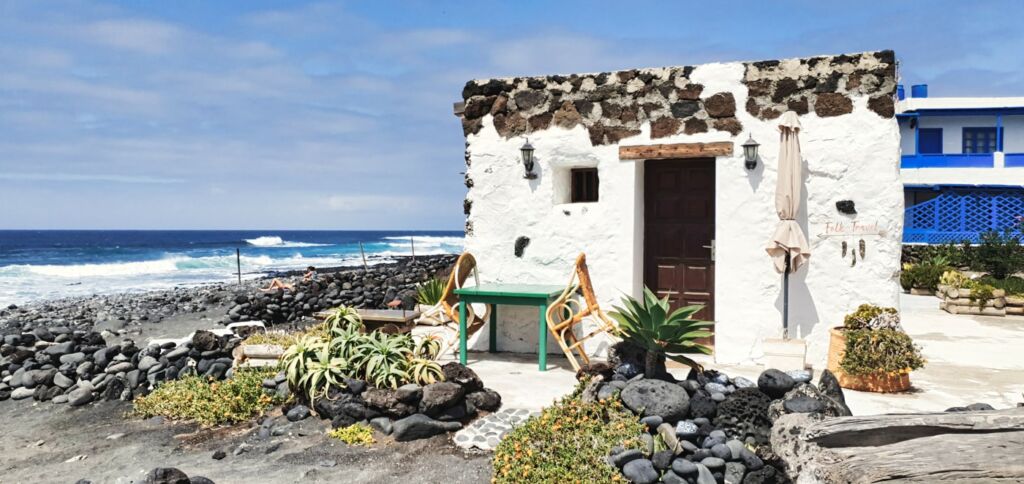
(582, 190)
(988, 131)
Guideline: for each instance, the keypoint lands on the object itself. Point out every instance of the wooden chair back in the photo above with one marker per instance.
(465, 266)
(566, 312)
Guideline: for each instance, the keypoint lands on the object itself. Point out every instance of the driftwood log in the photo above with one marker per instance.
(925, 447)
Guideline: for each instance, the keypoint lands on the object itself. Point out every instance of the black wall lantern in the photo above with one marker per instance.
(750, 152)
(527, 151)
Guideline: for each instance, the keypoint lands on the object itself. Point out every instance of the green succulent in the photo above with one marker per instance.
(384, 358)
(649, 324)
(324, 372)
(424, 372)
(430, 292)
(345, 342)
(427, 347)
(297, 357)
(342, 318)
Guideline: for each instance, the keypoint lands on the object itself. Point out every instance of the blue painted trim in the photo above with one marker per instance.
(959, 185)
(976, 160)
(1016, 111)
(917, 137)
(1013, 160)
(999, 131)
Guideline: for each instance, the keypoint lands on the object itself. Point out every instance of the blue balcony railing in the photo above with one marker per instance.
(1014, 160)
(974, 160)
(960, 214)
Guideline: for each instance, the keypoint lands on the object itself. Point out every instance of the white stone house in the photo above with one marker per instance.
(643, 170)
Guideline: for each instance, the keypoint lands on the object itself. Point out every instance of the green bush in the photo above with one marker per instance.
(1013, 285)
(1000, 253)
(880, 350)
(924, 275)
(208, 402)
(567, 442)
(355, 434)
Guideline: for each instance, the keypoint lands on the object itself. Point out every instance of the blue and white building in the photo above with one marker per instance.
(962, 166)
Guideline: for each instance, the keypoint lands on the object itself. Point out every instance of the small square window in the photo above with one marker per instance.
(584, 185)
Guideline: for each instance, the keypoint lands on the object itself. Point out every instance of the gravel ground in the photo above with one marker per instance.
(46, 443)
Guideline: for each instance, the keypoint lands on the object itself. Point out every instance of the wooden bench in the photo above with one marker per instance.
(389, 320)
(385, 320)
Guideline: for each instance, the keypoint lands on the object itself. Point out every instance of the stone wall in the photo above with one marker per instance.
(851, 146)
(614, 105)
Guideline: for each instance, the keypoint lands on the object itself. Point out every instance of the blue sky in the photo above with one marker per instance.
(278, 115)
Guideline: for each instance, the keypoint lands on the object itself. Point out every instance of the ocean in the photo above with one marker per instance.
(47, 264)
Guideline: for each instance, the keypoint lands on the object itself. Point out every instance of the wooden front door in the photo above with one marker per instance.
(679, 229)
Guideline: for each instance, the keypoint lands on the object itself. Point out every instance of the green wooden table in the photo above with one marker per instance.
(539, 295)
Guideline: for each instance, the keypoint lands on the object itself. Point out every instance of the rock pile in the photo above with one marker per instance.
(411, 411)
(374, 289)
(117, 312)
(713, 427)
(120, 315)
(77, 367)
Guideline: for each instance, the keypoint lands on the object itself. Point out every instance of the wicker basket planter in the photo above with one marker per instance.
(880, 382)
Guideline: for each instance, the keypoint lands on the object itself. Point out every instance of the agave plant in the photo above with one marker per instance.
(427, 347)
(342, 318)
(649, 324)
(384, 359)
(429, 293)
(424, 371)
(297, 357)
(323, 372)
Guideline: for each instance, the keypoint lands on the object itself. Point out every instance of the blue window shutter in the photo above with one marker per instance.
(929, 141)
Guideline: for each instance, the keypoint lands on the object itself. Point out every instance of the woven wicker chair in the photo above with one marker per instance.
(446, 311)
(566, 312)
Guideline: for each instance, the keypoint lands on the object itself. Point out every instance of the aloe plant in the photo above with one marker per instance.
(346, 341)
(297, 357)
(424, 371)
(342, 318)
(384, 359)
(324, 372)
(427, 347)
(649, 324)
(429, 292)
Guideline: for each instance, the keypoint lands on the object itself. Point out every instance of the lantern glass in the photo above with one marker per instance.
(750, 149)
(527, 151)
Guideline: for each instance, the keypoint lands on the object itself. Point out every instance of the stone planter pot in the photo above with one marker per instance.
(880, 382)
(917, 291)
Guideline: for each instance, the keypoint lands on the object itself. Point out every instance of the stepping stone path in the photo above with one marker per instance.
(486, 432)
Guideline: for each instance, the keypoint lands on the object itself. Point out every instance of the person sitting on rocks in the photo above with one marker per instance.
(310, 274)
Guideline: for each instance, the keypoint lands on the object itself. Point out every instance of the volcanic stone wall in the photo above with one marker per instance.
(613, 105)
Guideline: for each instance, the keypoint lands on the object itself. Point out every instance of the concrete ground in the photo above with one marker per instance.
(970, 359)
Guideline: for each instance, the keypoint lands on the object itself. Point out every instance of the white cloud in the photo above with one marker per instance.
(79, 177)
(132, 34)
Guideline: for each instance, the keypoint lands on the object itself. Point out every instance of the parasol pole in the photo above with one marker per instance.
(785, 300)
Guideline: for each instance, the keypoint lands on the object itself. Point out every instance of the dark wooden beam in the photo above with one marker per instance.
(676, 150)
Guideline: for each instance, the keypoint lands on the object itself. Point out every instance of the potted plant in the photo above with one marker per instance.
(871, 352)
(650, 325)
(429, 293)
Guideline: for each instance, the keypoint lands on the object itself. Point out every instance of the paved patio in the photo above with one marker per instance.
(970, 359)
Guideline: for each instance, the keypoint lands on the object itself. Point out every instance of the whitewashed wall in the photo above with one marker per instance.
(853, 156)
